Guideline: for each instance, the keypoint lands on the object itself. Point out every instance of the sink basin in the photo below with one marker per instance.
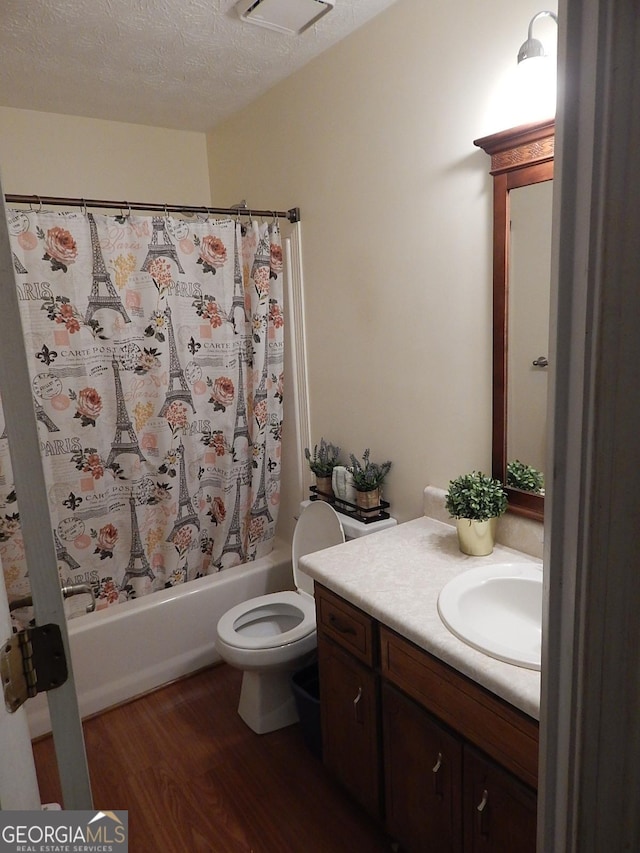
(498, 610)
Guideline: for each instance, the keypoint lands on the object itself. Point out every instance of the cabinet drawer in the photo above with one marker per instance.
(345, 624)
(503, 732)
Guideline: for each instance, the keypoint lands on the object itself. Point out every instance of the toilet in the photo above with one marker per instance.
(273, 635)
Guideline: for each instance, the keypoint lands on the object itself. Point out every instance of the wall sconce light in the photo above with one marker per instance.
(536, 75)
(533, 47)
(526, 91)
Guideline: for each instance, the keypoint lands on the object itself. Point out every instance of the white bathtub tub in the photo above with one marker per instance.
(126, 650)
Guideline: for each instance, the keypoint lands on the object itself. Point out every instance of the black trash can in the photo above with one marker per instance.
(305, 684)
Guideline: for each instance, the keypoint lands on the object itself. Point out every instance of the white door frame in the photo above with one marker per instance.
(48, 607)
(590, 737)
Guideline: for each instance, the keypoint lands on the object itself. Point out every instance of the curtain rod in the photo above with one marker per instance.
(293, 215)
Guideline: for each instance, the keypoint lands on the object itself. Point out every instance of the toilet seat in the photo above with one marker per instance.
(254, 624)
(287, 605)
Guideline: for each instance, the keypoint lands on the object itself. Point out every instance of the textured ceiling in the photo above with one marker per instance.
(185, 64)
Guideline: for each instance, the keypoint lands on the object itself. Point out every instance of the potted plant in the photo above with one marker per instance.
(322, 461)
(524, 477)
(476, 500)
(368, 478)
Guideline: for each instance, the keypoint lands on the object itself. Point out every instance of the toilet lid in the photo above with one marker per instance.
(318, 527)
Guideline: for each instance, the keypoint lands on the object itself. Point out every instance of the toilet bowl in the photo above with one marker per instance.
(271, 636)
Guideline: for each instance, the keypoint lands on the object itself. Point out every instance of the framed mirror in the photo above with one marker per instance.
(522, 169)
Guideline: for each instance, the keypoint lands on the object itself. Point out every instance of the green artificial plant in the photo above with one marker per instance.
(524, 477)
(367, 475)
(475, 496)
(324, 458)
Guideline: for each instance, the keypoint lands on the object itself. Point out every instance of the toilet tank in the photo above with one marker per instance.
(353, 529)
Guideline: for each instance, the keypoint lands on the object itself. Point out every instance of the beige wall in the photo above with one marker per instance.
(48, 154)
(374, 141)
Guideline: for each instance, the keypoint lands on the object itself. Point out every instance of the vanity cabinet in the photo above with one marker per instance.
(349, 702)
(447, 765)
(499, 812)
(423, 774)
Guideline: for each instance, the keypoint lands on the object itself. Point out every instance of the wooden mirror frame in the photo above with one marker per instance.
(519, 157)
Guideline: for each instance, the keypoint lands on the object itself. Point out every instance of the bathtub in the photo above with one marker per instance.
(124, 651)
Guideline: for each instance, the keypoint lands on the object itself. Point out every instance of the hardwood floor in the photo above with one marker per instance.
(194, 777)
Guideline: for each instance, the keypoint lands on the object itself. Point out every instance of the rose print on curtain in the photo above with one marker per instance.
(156, 354)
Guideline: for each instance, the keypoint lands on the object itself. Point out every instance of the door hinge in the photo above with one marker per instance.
(32, 661)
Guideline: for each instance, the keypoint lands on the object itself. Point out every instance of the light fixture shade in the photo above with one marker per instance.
(530, 49)
(533, 48)
(285, 16)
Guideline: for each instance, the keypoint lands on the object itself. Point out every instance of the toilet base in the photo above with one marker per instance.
(267, 702)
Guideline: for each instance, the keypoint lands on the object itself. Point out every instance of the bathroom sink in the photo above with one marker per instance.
(498, 610)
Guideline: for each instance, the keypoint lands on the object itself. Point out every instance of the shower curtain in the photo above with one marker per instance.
(156, 354)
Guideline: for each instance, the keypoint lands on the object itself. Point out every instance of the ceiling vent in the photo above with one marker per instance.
(285, 16)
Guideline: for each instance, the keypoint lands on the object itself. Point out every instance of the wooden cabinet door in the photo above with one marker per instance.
(499, 811)
(423, 777)
(350, 723)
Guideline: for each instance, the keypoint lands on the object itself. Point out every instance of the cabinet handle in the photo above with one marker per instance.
(482, 814)
(340, 626)
(436, 776)
(356, 706)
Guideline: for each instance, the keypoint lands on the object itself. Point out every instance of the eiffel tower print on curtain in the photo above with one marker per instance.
(186, 512)
(233, 545)
(263, 253)
(137, 555)
(123, 424)
(63, 556)
(237, 303)
(43, 417)
(98, 300)
(260, 506)
(160, 245)
(176, 373)
(18, 265)
(241, 428)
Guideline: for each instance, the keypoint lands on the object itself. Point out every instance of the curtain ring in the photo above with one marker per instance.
(166, 212)
(129, 213)
(84, 207)
(39, 200)
(206, 215)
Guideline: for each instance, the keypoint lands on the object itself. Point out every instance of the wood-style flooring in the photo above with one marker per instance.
(193, 777)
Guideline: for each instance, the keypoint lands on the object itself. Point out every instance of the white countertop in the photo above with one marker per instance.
(396, 575)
